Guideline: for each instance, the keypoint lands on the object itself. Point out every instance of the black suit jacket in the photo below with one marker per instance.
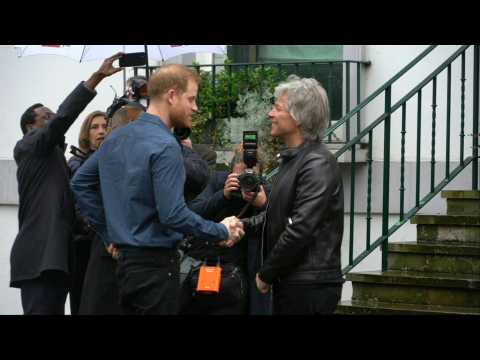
(46, 213)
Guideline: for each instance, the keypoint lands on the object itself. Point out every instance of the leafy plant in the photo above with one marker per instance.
(219, 94)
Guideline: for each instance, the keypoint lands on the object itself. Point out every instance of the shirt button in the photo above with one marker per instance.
(170, 274)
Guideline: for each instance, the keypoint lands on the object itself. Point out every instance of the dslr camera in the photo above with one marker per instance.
(249, 180)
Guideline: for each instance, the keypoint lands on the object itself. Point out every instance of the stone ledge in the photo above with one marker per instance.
(461, 194)
(434, 249)
(416, 278)
(458, 220)
(384, 308)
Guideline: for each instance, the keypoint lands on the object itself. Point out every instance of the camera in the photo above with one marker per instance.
(78, 153)
(137, 90)
(249, 180)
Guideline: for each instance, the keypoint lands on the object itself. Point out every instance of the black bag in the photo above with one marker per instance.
(233, 286)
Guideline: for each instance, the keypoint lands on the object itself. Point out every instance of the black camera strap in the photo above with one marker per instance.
(247, 205)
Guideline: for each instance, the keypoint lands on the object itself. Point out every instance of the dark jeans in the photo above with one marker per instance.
(45, 295)
(148, 280)
(306, 299)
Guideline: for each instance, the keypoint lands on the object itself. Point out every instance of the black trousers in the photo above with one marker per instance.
(100, 287)
(258, 303)
(149, 281)
(306, 299)
(80, 256)
(45, 295)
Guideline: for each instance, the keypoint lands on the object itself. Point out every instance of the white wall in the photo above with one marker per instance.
(10, 301)
(47, 79)
(9, 298)
(387, 60)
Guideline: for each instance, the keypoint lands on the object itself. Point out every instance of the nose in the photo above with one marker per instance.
(195, 108)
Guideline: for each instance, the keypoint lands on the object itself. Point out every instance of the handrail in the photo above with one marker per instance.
(380, 90)
(385, 118)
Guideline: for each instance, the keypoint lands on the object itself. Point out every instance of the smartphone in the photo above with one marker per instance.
(133, 59)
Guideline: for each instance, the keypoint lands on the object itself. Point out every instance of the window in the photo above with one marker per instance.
(329, 75)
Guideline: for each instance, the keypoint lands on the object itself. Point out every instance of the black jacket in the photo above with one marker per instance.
(196, 172)
(212, 205)
(303, 226)
(46, 211)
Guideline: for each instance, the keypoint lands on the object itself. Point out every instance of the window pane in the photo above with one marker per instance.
(299, 52)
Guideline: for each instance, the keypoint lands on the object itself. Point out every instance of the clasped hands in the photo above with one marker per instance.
(235, 231)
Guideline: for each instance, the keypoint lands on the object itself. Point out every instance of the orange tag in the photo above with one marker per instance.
(209, 279)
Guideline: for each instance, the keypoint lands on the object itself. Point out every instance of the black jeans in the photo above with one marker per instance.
(148, 280)
(45, 295)
(306, 299)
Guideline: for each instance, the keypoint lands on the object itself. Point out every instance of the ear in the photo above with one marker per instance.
(171, 96)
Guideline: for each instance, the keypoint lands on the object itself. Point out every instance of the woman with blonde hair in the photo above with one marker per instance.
(92, 133)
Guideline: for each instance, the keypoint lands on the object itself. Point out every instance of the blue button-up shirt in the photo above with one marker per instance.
(140, 171)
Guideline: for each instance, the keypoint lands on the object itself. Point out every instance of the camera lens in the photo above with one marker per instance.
(249, 182)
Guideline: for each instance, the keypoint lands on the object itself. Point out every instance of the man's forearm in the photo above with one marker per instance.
(94, 80)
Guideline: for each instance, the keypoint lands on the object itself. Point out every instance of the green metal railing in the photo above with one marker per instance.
(385, 119)
(331, 71)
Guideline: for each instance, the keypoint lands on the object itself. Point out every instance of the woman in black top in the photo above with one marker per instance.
(92, 133)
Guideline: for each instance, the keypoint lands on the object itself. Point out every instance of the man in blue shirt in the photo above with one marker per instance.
(142, 178)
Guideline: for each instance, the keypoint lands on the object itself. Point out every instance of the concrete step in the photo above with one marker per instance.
(460, 202)
(411, 287)
(381, 308)
(454, 229)
(436, 258)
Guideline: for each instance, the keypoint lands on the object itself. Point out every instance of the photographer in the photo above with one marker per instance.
(40, 253)
(92, 133)
(224, 197)
(136, 95)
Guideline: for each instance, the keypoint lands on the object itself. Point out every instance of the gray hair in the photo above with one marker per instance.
(307, 103)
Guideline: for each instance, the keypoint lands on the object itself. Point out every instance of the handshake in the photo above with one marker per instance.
(235, 231)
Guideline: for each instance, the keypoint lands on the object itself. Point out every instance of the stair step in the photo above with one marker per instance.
(454, 229)
(413, 287)
(457, 220)
(461, 194)
(437, 258)
(382, 308)
(462, 202)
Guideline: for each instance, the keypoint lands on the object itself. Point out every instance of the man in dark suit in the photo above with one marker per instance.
(39, 257)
